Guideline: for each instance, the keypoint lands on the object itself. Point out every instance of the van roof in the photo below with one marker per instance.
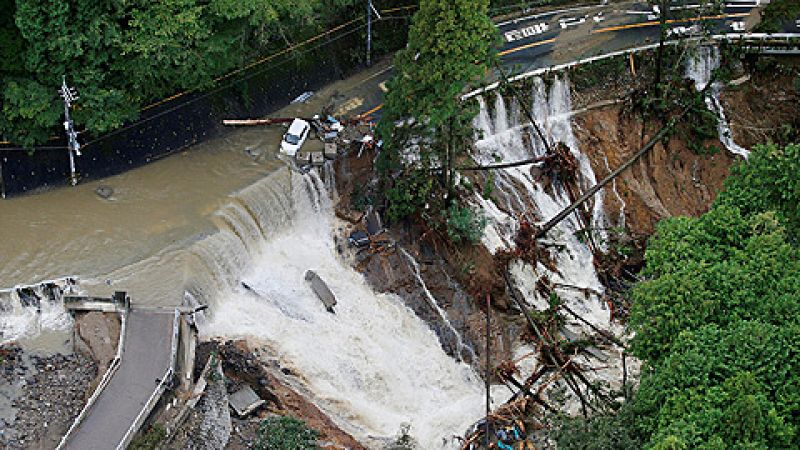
(297, 127)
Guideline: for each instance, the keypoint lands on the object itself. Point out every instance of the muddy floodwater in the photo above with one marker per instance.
(135, 240)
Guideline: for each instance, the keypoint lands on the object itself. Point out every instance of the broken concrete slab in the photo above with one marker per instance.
(317, 158)
(374, 223)
(245, 401)
(330, 150)
(321, 290)
(303, 158)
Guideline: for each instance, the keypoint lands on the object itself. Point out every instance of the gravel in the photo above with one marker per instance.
(43, 396)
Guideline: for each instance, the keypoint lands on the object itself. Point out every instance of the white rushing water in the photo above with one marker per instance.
(373, 366)
(507, 139)
(552, 113)
(28, 311)
(700, 68)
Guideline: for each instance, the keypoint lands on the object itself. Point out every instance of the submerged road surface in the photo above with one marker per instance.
(146, 357)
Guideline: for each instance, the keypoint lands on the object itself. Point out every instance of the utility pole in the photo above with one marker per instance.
(370, 11)
(74, 148)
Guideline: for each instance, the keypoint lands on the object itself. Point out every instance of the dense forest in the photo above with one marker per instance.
(716, 323)
(123, 55)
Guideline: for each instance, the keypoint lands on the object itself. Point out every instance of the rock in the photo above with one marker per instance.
(104, 192)
(348, 214)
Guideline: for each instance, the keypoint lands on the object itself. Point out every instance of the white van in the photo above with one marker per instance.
(295, 136)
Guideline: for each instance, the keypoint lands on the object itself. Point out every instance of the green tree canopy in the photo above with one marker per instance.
(123, 55)
(451, 45)
(717, 322)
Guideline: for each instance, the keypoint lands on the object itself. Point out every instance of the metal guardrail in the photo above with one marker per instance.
(559, 67)
(112, 369)
(158, 391)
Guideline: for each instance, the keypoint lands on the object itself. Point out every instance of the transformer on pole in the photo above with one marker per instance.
(74, 148)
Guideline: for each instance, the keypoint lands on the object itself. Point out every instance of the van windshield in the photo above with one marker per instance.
(292, 139)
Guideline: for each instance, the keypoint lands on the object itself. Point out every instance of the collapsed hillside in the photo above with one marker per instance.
(445, 284)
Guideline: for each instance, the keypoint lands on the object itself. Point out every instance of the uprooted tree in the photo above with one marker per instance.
(426, 126)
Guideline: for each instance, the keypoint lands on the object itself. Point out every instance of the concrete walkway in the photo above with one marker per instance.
(146, 357)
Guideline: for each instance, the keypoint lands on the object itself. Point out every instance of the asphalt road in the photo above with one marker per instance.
(546, 39)
(556, 37)
(145, 359)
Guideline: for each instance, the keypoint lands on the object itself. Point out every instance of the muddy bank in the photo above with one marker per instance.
(765, 108)
(244, 365)
(670, 180)
(439, 282)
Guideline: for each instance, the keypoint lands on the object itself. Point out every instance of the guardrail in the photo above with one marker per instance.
(559, 67)
(112, 369)
(158, 391)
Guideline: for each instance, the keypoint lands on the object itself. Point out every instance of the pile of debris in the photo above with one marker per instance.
(337, 137)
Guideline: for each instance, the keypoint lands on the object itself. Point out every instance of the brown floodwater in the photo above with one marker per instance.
(136, 239)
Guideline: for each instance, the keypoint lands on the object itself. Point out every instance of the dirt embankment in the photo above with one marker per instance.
(454, 276)
(767, 108)
(673, 180)
(670, 180)
(242, 367)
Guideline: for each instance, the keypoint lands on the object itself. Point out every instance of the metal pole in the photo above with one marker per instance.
(369, 32)
(73, 179)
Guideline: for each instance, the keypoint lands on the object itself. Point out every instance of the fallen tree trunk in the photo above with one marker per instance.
(593, 190)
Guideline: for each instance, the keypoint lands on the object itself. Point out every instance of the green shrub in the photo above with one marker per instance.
(285, 433)
(150, 439)
(408, 195)
(464, 225)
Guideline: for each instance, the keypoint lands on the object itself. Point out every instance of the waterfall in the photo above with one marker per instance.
(461, 348)
(26, 311)
(699, 68)
(373, 366)
(575, 278)
(622, 205)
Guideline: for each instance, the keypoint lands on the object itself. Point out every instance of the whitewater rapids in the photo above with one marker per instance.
(374, 365)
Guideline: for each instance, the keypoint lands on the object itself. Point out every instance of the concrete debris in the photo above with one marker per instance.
(104, 192)
(40, 396)
(374, 223)
(322, 290)
(245, 401)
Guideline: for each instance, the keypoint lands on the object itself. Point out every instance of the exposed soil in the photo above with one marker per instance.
(242, 366)
(670, 180)
(99, 335)
(766, 108)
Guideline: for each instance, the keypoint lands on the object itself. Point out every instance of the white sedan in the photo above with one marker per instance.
(295, 136)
